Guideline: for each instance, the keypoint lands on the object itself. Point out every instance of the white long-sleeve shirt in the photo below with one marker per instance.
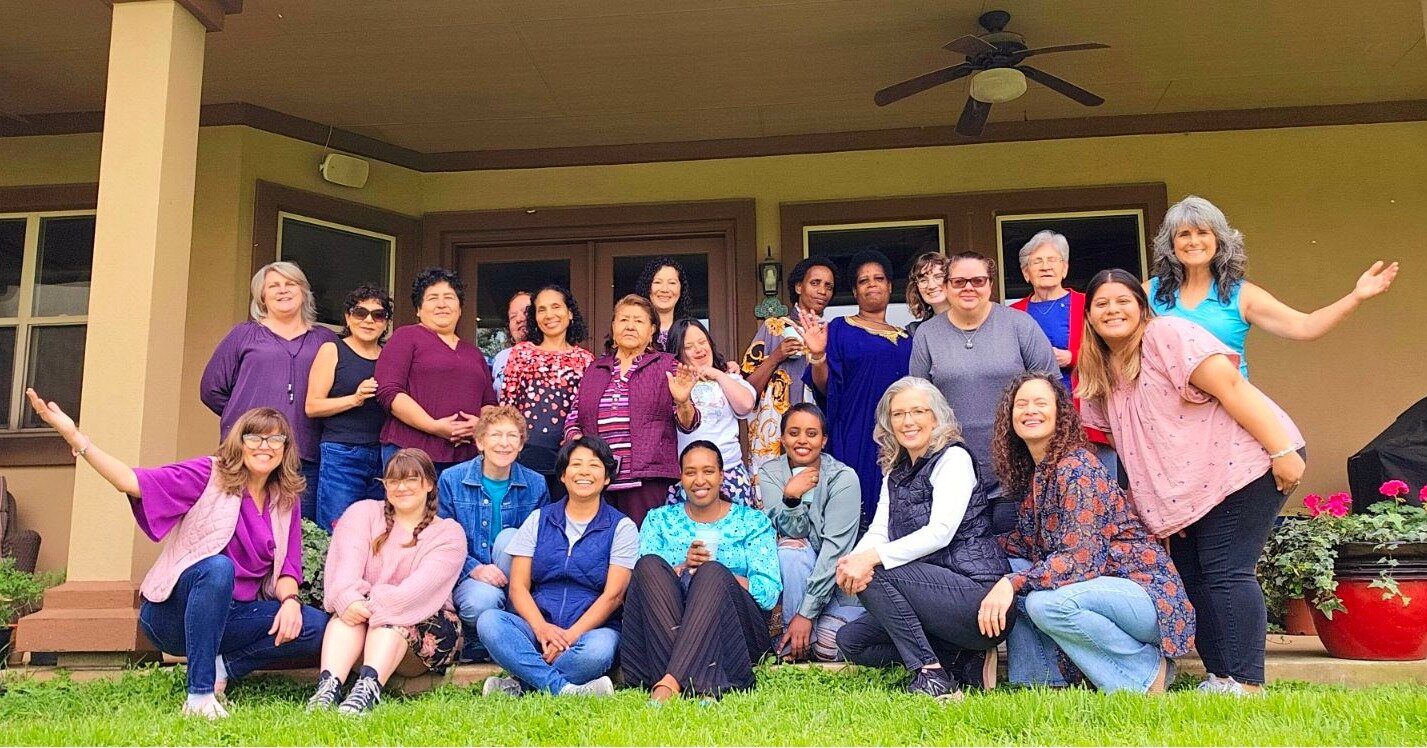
(953, 480)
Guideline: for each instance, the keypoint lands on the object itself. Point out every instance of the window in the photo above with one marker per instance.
(1098, 240)
(45, 261)
(901, 241)
(336, 259)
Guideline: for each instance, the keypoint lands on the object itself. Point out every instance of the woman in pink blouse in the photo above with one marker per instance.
(223, 592)
(1211, 461)
(390, 570)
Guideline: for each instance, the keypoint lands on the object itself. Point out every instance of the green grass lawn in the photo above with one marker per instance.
(790, 707)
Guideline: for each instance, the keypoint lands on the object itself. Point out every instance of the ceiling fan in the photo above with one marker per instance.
(994, 60)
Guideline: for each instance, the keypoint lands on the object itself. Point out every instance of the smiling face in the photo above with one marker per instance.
(931, 284)
(871, 288)
(407, 493)
(1194, 246)
(264, 457)
(515, 317)
(804, 439)
(282, 296)
(815, 289)
(552, 313)
(701, 477)
(368, 329)
(632, 329)
(913, 421)
(1115, 313)
(698, 352)
(665, 289)
(501, 442)
(585, 476)
(1045, 269)
(1033, 412)
(969, 298)
(440, 308)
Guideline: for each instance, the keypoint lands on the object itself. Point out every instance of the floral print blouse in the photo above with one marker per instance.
(1075, 524)
(541, 385)
(749, 547)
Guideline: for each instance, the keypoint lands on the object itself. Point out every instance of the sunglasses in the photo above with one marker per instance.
(272, 440)
(979, 281)
(361, 313)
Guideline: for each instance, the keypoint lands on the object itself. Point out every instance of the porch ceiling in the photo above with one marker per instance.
(462, 75)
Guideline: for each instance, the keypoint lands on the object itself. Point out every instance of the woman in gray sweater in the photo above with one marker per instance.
(816, 512)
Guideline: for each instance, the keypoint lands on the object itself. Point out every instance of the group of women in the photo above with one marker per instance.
(948, 495)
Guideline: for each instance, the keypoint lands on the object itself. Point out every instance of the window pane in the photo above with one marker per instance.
(7, 369)
(66, 254)
(12, 257)
(1096, 243)
(496, 282)
(696, 267)
(55, 368)
(901, 244)
(335, 262)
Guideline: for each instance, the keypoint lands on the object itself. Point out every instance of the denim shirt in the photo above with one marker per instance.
(461, 497)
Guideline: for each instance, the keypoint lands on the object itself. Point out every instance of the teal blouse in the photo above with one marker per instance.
(749, 547)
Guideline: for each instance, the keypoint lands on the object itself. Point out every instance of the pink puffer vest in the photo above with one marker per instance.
(205, 531)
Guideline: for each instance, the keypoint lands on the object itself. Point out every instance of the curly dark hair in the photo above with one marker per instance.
(574, 334)
(800, 271)
(646, 282)
(368, 292)
(430, 277)
(1010, 457)
(677, 334)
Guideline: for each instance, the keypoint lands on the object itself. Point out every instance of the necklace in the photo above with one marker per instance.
(964, 336)
(1051, 306)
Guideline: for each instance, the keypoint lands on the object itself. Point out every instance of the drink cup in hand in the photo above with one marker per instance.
(710, 538)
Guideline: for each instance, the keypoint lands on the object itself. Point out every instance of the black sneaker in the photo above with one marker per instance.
(364, 696)
(976, 668)
(328, 689)
(935, 682)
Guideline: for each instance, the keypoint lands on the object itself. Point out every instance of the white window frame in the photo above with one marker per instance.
(26, 320)
(1002, 218)
(388, 238)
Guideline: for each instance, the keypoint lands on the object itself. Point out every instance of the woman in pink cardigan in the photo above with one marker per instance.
(390, 569)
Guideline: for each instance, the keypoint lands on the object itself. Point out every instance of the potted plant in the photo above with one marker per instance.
(314, 562)
(20, 595)
(1297, 561)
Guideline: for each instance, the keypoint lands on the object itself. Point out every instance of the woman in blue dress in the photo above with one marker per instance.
(852, 361)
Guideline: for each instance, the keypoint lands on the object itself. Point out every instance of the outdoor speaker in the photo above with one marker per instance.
(344, 170)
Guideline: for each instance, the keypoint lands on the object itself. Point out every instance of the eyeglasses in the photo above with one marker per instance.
(979, 281)
(409, 483)
(1041, 261)
(902, 415)
(932, 279)
(257, 440)
(361, 312)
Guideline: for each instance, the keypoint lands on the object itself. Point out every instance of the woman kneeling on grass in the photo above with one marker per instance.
(1089, 576)
(697, 613)
(388, 579)
(223, 592)
(569, 568)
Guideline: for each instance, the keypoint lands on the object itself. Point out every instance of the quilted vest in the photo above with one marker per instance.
(205, 531)
(565, 581)
(973, 550)
(655, 449)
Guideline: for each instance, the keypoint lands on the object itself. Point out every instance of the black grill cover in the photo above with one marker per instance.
(1400, 452)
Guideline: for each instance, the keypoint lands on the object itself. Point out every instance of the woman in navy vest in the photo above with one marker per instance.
(570, 564)
(929, 557)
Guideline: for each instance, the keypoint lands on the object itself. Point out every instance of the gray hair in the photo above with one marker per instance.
(947, 430)
(1228, 265)
(290, 271)
(1046, 237)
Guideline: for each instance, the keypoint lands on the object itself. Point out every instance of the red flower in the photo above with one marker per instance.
(1422, 495)
(1339, 504)
(1393, 489)
(1315, 504)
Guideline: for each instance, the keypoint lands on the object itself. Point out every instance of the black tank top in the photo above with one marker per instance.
(361, 425)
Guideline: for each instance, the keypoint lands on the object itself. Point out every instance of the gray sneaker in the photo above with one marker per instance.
(1214, 684)
(329, 687)
(601, 686)
(496, 684)
(366, 693)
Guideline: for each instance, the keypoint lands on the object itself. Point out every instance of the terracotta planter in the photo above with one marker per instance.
(1297, 619)
(1373, 628)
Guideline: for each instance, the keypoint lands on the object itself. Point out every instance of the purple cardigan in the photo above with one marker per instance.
(652, 423)
(418, 363)
(253, 367)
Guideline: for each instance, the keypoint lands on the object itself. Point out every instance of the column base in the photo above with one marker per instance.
(95, 619)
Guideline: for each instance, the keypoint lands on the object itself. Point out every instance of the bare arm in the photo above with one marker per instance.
(1262, 309)
(736, 391)
(1219, 377)
(319, 386)
(110, 468)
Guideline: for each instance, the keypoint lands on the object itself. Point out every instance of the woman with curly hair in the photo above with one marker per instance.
(926, 289)
(1198, 274)
(390, 569)
(1086, 572)
(543, 374)
(666, 286)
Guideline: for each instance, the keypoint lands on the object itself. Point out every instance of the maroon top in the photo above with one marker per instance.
(442, 380)
(168, 492)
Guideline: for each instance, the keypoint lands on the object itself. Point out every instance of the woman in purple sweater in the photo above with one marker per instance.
(265, 362)
(390, 570)
(433, 384)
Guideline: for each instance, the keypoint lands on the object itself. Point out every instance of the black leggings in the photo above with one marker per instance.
(1216, 559)
(703, 629)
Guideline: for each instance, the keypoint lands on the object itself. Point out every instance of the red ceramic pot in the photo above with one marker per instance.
(1373, 628)
(1297, 620)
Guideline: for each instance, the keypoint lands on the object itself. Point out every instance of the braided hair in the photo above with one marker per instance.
(408, 463)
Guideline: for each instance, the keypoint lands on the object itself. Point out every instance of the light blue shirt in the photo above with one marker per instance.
(1222, 318)
(748, 545)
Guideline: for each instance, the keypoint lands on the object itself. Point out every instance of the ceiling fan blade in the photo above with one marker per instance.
(899, 91)
(1064, 48)
(969, 46)
(1061, 86)
(973, 118)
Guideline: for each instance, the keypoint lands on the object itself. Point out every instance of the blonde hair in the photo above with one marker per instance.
(289, 270)
(948, 430)
(284, 484)
(1100, 369)
(408, 463)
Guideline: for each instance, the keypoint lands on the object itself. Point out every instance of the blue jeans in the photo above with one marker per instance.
(1107, 626)
(1108, 458)
(473, 597)
(348, 473)
(201, 620)
(796, 564)
(308, 501)
(513, 646)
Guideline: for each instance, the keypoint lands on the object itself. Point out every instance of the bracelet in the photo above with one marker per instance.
(1286, 451)
(293, 596)
(815, 360)
(78, 453)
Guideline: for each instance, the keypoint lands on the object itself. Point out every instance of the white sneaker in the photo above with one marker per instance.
(1214, 684)
(206, 706)
(1235, 688)
(601, 686)
(496, 684)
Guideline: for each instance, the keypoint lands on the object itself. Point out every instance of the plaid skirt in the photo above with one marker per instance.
(435, 641)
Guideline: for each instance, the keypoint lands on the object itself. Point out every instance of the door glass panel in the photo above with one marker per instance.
(12, 256)
(497, 282)
(627, 270)
(7, 372)
(57, 352)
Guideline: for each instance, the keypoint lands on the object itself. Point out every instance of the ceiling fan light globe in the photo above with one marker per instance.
(998, 85)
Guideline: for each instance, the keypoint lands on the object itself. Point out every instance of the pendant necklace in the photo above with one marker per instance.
(968, 339)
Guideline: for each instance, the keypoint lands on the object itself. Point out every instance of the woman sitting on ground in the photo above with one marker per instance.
(816, 512)
(569, 568)
(388, 579)
(929, 556)
(721, 399)
(1085, 571)
(223, 592)
(696, 617)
